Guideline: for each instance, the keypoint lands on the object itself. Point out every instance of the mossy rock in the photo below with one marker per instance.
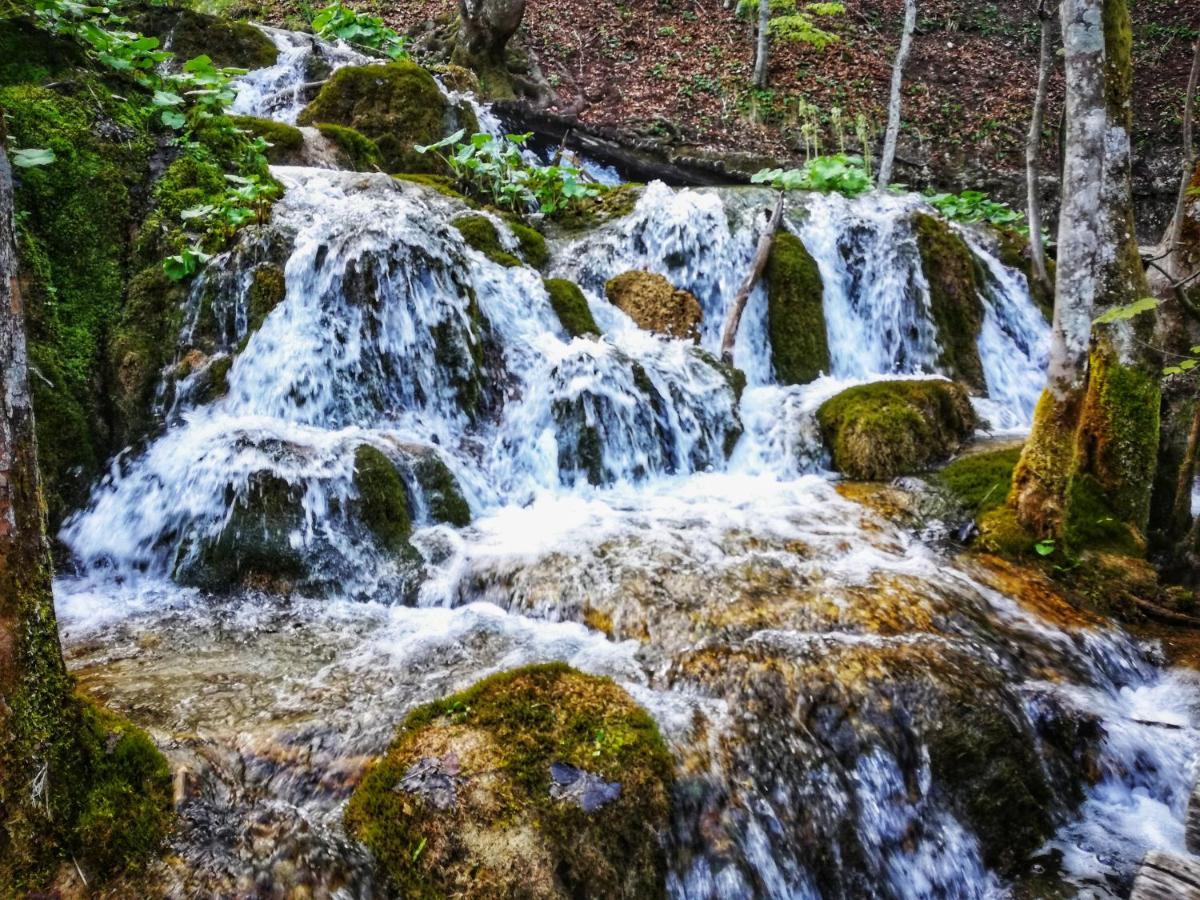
(795, 312)
(480, 234)
(875, 432)
(957, 310)
(267, 290)
(446, 502)
(571, 307)
(382, 503)
(397, 105)
(359, 150)
(612, 203)
(1015, 253)
(980, 482)
(31, 56)
(254, 546)
(214, 382)
(286, 142)
(462, 804)
(532, 243)
(191, 34)
(655, 304)
(443, 184)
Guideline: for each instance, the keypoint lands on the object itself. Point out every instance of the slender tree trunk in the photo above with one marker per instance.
(1175, 229)
(1033, 147)
(762, 44)
(1087, 469)
(729, 336)
(888, 158)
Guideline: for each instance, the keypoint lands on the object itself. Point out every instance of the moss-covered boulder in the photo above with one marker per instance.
(980, 482)
(571, 307)
(267, 290)
(541, 782)
(441, 491)
(190, 34)
(957, 310)
(480, 234)
(795, 312)
(382, 503)
(655, 304)
(286, 142)
(531, 241)
(397, 106)
(875, 432)
(609, 204)
(359, 151)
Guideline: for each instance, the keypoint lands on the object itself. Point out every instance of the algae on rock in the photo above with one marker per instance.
(480, 794)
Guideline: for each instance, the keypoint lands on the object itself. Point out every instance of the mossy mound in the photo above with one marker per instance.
(875, 432)
(464, 803)
(612, 203)
(397, 105)
(286, 142)
(655, 304)
(267, 290)
(949, 268)
(190, 34)
(441, 491)
(532, 243)
(443, 184)
(359, 150)
(795, 312)
(980, 481)
(480, 234)
(382, 503)
(571, 307)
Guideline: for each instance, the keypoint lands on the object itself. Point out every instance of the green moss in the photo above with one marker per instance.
(480, 233)
(1014, 253)
(216, 380)
(191, 34)
(1001, 532)
(795, 312)
(504, 834)
(734, 377)
(286, 140)
(446, 502)
(980, 481)
(878, 431)
(267, 290)
(397, 105)
(360, 150)
(957, 310)
(443, 184)
(382, 503)
(31, 56)
(571, 307)
(612, 203)
(531, 242)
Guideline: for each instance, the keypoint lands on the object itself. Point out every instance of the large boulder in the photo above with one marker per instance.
(795, 312)
(655, 304)
(875, 432)
(189, 34)
(541, 782)
(397, 105)
(949, 268)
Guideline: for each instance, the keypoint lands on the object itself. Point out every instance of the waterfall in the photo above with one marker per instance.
(796, 649)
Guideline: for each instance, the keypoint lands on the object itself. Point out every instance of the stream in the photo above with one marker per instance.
(804, 656)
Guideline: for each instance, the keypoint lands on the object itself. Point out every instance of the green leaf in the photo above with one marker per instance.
(1045, 547)
(1128, 311)
(173, 119)
(31, 157)
(167, 98)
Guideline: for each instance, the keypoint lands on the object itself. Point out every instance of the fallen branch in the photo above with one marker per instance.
(756, 270)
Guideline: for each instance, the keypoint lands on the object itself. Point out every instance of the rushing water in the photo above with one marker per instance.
(800, 653)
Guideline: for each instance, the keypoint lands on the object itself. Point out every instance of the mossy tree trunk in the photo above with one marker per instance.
(37, 714)
(1088, 466)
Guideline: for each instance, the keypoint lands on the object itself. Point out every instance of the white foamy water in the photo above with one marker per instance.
(616, 479)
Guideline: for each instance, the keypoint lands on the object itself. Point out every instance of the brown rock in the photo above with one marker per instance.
(655, 304)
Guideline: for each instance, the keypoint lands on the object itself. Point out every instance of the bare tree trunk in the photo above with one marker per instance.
(1033, 146)
(1175, 230)
(762, 44)
(1087, 469)
(756, 269)
(888, 158)
(487, 25)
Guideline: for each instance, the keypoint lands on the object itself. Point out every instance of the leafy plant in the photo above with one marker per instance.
(975, 206)
(1128, 311)
(248, 199)
(494, 170)
(30, 157)
(840, 173)
(1045, 547)
(359, 30)
(184, 264)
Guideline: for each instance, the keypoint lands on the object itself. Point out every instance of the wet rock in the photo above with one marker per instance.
(795, 312)
(540, 782)
(875, 432)
(571, 307)
(189, 34)
(1167, 876)
(655, 304)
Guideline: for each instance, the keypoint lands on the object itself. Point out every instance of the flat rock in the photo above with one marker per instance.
(1166, 876)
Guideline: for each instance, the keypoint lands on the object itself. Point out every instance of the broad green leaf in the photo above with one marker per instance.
(1129, 311)
(31, 157)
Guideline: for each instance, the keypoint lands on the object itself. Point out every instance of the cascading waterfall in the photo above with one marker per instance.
(608, 485)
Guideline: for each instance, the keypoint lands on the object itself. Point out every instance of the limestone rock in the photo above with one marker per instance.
(655, 304)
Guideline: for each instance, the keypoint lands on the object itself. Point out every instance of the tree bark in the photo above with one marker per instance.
(1175, 229)
(756, 269)
(762, 44)
(1033, 147)
(487, 25)
(1087, 469)
(887, 159)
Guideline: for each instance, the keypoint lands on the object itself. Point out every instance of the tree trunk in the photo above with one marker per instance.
(762, 44)
(1175, 229)
(487, 25)
(888, 159)
(1087, 469)
(1033, 147)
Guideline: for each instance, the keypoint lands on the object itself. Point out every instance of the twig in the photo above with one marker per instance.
(756, 269)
